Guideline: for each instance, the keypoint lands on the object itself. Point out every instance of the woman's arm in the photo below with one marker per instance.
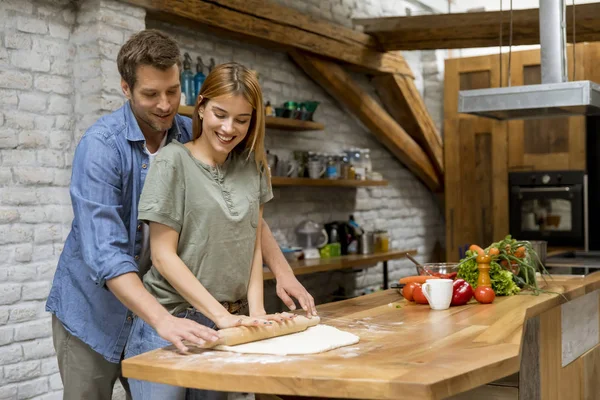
(255, 288)
(163, 246)
(288, 286)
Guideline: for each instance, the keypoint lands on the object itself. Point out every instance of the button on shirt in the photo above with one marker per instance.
(105, 241)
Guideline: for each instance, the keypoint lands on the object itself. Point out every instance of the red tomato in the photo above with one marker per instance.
(419, 296)
(407, 291)
(484, 295)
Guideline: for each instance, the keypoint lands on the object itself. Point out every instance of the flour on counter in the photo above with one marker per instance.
(316, 339)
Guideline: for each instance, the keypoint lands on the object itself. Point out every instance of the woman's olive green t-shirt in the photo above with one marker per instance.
(215, 211)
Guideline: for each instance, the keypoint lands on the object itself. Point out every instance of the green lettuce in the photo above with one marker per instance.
(502, 280)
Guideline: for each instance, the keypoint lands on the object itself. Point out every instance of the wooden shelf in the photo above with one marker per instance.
(273, 122)
(282, 181)
(293, 124)
(334, 263)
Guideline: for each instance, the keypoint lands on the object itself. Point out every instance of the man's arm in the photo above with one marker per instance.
(97, 204)
(288, 286)
(128, 288)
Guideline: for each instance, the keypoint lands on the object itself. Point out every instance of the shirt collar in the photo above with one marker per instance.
(134, 133)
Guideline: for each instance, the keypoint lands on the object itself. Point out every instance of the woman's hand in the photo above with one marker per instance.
(277, 317)
(230, 320)
(289, 288)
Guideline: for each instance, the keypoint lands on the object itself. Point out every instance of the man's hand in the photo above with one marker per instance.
(175, 330)
(288, 287)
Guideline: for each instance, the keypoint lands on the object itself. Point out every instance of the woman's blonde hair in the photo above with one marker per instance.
(235, 79)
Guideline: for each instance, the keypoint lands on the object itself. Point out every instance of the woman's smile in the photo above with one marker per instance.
(225, 139)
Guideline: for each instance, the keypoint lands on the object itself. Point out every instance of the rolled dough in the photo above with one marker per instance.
(316, 339)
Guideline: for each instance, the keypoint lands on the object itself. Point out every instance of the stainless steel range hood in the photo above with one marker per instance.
(554, 97)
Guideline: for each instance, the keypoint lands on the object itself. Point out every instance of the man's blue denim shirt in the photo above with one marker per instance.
(109, 170)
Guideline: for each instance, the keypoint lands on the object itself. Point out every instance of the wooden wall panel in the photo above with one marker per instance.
(475, 80)
(483, 183)
(552, 143)
(475, 151)
(543, 136)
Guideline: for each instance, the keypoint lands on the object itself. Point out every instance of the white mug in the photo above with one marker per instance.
(438, 293)
(316, 169)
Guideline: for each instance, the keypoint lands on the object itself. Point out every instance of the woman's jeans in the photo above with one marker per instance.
(143, 338)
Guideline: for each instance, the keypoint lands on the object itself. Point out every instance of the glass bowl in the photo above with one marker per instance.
(441, 270)
(292, 253)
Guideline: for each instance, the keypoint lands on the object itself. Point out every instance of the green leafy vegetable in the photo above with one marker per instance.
(502, 280)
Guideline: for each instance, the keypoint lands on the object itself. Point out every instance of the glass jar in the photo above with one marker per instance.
(359, 167)
(368, 166)
(382, 241)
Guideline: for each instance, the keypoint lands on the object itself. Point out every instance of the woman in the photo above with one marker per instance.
(204, 201)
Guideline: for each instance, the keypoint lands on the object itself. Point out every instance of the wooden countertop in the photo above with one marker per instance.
(406, 352)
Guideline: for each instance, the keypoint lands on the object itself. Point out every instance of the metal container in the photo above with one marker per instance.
(366, 243)
(541, 248)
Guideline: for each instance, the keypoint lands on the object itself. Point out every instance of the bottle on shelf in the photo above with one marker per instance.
(269, 111)
(366, 156)
(331, 171)
(357, 162)
(344, 166)
(353, 237)
(211, 65)
(187, 80)
(199, 77)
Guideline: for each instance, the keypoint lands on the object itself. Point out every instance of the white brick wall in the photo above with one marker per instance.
(58, 75)
(406, 208)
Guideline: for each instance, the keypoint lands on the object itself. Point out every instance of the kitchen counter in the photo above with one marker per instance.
(409, 351)
(575, 262)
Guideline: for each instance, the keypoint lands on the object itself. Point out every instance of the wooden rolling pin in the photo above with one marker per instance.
(246, 334)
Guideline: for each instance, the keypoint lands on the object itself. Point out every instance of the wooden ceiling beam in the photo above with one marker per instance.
(403, 101)
(341, 86)
(283, 28)
(475, 29)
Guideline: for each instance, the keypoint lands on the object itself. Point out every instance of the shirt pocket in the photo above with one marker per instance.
(253, 209)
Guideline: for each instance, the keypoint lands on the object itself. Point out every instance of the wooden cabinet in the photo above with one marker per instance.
(475, 154)
(545, 144)
(480, 152)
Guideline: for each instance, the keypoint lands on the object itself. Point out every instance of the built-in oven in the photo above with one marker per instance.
(548, 205)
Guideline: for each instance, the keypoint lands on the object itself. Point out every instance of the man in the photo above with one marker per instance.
(97, 287)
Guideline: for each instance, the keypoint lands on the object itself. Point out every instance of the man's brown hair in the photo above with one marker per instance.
(148, 47)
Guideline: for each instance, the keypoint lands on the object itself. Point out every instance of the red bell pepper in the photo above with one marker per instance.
(462, 292)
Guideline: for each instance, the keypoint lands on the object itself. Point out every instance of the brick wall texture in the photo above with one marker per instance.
(58, 74)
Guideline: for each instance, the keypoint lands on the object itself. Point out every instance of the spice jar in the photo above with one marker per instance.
(382, 241)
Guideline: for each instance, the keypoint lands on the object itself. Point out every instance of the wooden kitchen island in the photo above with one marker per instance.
(408, 351)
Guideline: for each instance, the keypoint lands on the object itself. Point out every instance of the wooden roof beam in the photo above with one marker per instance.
(341, 86)
(475, 29)
(281, 27)
(403, 101)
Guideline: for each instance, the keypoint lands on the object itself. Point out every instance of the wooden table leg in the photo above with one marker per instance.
(385, 275)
